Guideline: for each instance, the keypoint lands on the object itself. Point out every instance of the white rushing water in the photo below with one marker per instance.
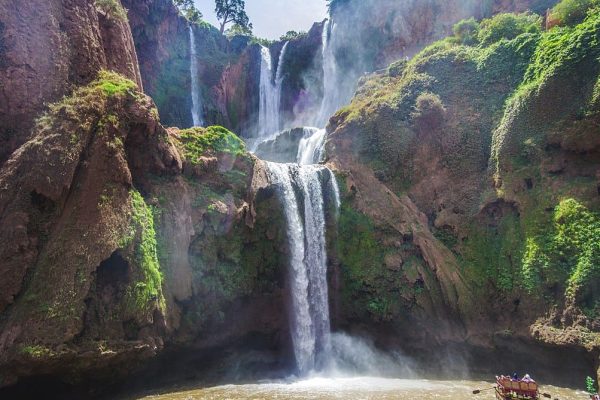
(331, 94)
(196, 100)
(311, 146)
(270, 92)
(302, 193)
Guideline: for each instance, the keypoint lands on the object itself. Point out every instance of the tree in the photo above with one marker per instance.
(232, 11)
(237, 30)
(189, 10)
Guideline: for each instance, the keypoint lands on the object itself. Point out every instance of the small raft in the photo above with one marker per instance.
(510, 389)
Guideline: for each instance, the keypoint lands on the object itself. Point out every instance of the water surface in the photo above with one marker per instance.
(357, 388)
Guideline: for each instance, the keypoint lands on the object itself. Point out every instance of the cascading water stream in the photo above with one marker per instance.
(311, 146)
(331, 100)
(309, 316)
(308, 191)
(196, 101)
(270, 92)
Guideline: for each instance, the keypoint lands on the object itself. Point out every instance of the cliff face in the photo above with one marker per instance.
(471, 173)
(119, 236)
(469, 180)
(228, 70)
(66, 43)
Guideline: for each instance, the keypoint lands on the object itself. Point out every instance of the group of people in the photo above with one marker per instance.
(515, 377)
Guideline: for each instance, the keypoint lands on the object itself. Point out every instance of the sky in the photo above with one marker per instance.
(273, 18)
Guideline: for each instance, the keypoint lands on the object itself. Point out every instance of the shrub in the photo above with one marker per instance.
(466, 31)
(429, 113)
(569, 249)
(112, 9)
(195, 142)
(507, 26)
(590, 385)
(571, 12)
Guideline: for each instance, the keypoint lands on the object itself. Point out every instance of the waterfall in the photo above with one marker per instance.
(279, 76)
(311, 146)
(309, 314)
(331, 97)
(196, 101)
(270, 92)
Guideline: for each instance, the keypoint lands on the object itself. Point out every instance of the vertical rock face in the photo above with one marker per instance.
(227, 69)
(46, 47)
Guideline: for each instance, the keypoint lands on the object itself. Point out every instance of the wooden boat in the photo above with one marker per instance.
(510, 389)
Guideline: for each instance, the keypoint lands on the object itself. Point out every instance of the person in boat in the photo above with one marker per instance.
(527, 378)
(515, 376)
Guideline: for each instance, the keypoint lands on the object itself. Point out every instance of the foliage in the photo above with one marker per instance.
(566, 252)
(590, 385)
(429, 111)
(112, 8)
(113, 84)
(232, 11)
(189, 10)
(239, 30)
(507, 26)
(561, 48)
(491, 250)
(466, 32)
(572, 12)
(196, 142)
(144, 292)
(36, 351)
(292, 35)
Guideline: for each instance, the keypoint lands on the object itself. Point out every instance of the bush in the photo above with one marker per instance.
(112, 9)
(429, 113)
(571, 12)
(197, 142)
(507, 26)
(466, 31)
(569, 249)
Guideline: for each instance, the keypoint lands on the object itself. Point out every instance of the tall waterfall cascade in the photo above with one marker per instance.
(309, 193)
(309, 314)
(331, 97)
(196, 99)
(270, 92)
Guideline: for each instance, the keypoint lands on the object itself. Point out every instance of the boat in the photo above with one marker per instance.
(511, 389)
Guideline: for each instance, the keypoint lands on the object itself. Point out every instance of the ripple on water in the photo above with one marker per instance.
(358, 388)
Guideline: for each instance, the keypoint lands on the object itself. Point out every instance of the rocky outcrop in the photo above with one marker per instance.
(228, 69)
(93, 280)
(465, 186)
(66, 43)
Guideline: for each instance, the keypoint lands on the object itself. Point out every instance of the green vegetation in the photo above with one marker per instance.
(189, 10)
(561, 49)
(507, 26)
(292, 35)
(113, 9)
(572, 12)
(113, 84)
(590, 385)
(36, 351)
(466, 32)
(147, 290)
(492, 251)
(197, 142)
(366, 282)
(566, 252)
(229, 11)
